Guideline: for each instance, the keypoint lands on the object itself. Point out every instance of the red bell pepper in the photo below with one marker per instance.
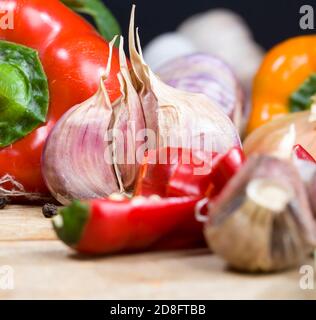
(302, 154)
(72, 54)
(107, 226)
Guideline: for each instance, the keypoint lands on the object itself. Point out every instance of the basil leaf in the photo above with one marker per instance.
(24, 92)
(301, 99)
(102, 16)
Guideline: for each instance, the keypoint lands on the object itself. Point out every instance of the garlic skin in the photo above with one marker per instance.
(206, 74)
(277, 137)
(307, 171)
(166, 47)
(262, 221)
(225, 34)
(128, 123)
(181, 119)
(312, 192)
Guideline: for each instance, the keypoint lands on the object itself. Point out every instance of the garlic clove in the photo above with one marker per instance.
(262, 220)
(127, 128)
(77, 159)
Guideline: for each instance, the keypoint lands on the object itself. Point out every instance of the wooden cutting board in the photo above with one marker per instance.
(46, 269)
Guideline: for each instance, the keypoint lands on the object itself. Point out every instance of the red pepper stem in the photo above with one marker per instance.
(70, 222)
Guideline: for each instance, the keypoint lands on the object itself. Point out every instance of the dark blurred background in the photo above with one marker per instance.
(270, 20)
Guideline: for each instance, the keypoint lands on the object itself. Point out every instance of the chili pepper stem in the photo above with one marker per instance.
(70, 222)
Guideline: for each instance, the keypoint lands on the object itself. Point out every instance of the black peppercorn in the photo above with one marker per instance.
(3, 202)
(49, 210)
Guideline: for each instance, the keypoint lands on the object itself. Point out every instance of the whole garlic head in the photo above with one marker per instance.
(225, 34)
(262, 221)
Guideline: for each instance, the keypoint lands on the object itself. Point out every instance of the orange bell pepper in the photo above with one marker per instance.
(283, 72)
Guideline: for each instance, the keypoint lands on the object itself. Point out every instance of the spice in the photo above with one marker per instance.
(3, 203)
(262, 220)
(104, 226)
(49, 210)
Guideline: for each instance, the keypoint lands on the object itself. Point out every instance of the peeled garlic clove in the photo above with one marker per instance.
(262, 220)
(181, 119)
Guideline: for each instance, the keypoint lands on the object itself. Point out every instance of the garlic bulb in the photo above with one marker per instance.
(166, 47)
(181, 119)
(278, 136)
(203, 73)
(262, 220)
(224, 34)
(96, 148)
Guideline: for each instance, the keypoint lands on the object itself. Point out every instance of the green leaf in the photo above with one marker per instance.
(70, 222)
(301, 99)
(24, 92)
(102, 16)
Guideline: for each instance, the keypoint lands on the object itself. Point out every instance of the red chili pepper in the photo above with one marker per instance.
(175, 178)
(302, 154)
(225, 167)
(73, 54)
(108, 226)
(170, 172)
(193, 179)
(155, 171)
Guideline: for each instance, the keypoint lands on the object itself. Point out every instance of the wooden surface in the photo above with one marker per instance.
(46, 269)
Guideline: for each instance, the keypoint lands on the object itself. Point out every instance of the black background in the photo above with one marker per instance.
(271, 21)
